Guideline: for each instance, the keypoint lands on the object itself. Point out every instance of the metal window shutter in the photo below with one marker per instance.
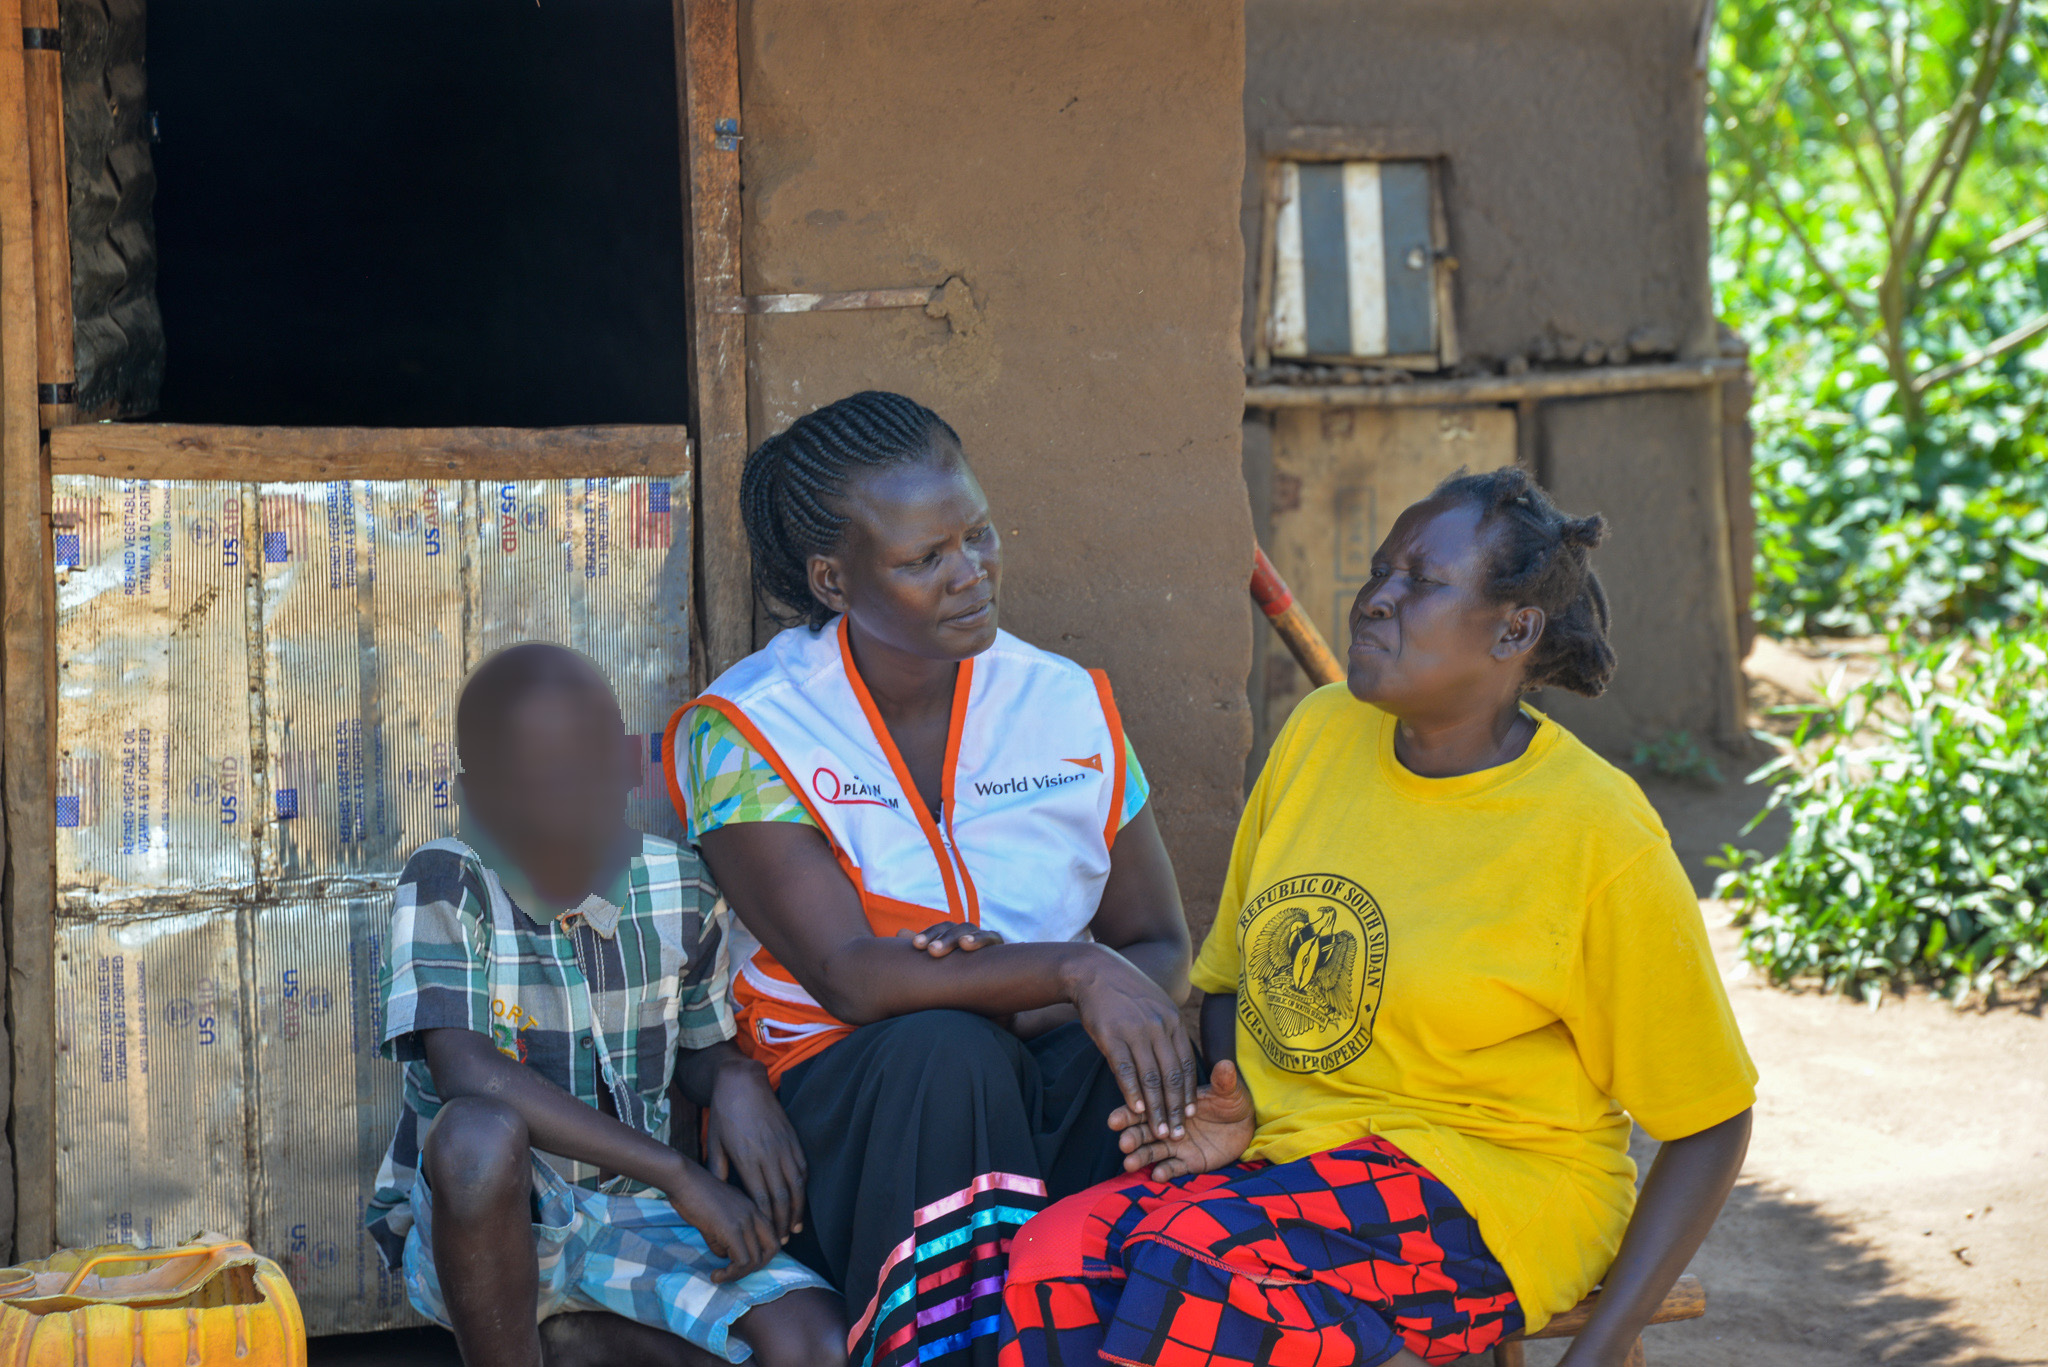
(1353, 268)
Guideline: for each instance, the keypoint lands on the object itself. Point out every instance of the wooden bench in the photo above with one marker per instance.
(1687, 1301)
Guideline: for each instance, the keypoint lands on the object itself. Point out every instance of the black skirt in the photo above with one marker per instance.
(931, 1137)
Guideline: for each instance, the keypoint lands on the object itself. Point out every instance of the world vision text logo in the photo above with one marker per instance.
(1093, 761)
(1033, 783)
(849, 792)
(1314, 955)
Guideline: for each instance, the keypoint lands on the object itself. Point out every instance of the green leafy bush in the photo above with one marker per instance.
(1879, 239)
(1863, 526)
(1919, 845)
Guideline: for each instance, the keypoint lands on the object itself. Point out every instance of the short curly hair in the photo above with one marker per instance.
(1541, 557)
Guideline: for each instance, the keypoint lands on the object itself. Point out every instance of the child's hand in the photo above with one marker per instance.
(1218, 1133)
(947, 936)
(733, 1226)
(746, 1133)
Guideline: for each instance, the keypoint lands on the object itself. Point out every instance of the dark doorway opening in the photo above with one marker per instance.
(389, 213)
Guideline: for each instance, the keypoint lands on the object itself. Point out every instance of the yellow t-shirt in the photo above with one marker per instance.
(1492, 971)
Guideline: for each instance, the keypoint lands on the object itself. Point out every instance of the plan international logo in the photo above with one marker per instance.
(848, 792)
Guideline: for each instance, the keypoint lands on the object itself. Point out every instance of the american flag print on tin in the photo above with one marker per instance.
(298, 783)
(650, 524)
(647, 762)
(284, 528)
(78, 793)
(75, 532)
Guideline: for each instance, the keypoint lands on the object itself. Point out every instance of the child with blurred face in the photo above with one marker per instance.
(554, 976)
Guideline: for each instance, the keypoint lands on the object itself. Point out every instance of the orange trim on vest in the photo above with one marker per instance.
(911, 797)
(728, 709)
(753, 1009)
(1116, 743)
(671, 767)
(963, 684)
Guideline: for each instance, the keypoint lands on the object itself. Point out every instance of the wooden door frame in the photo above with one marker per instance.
(707, 66)
(708, 113)
(27, 667)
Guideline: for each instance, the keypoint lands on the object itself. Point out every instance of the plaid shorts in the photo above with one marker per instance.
(631, 1255)
(1340, 1259)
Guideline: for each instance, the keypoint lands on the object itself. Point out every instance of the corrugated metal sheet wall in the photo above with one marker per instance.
(255, 726)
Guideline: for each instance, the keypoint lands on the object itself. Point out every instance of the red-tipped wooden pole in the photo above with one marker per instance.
(1309, 648)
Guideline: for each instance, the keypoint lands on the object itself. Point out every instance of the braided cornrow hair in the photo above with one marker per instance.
(1540, 558)
(794, 486)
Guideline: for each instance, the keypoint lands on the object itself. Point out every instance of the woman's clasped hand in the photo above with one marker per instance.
(1218, 1130)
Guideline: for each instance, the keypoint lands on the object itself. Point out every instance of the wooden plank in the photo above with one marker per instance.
(56, 364)
(1330, 142)
(1687, 1301)
(1536, 384)
(176, 451)
(1444, 266)
(1733, 723)
(1529, 437)
(708, 92)
(27, 655)
(1262, 320)
(1287, 321)
(842, 301)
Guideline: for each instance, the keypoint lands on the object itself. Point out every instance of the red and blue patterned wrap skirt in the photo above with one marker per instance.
(1340, 1259)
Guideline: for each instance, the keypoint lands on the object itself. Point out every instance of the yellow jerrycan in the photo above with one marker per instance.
(214, 1302)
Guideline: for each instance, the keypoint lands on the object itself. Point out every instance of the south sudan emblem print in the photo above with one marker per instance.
(1314, 951)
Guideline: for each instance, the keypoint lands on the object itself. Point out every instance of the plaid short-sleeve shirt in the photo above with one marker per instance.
(597, 1000)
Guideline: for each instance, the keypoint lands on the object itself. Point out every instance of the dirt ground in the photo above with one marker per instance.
(1894, 1208)
(1895, 1205)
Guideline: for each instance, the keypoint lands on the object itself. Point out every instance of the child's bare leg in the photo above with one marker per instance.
(801, 1328)
(598, 1338)
(480, 1165)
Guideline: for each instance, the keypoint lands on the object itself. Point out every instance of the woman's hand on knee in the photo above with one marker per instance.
(1217, 1134)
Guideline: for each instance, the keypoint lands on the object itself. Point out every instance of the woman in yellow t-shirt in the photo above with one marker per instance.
(1455, 955)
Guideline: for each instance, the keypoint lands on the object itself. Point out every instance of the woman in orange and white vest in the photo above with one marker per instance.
(965, 946)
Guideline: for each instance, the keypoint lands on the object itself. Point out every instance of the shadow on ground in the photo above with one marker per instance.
(1787, 1284)
(392, 1348)
(1792, 1285)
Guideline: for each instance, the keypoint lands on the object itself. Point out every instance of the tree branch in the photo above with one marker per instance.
(1897, 34)
(2017, 337)
(2017, 235)
(1856, 309)
(1885, 154)
(1999, 246)
(1736, 123)
(1886, 210)
(1964, 117)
